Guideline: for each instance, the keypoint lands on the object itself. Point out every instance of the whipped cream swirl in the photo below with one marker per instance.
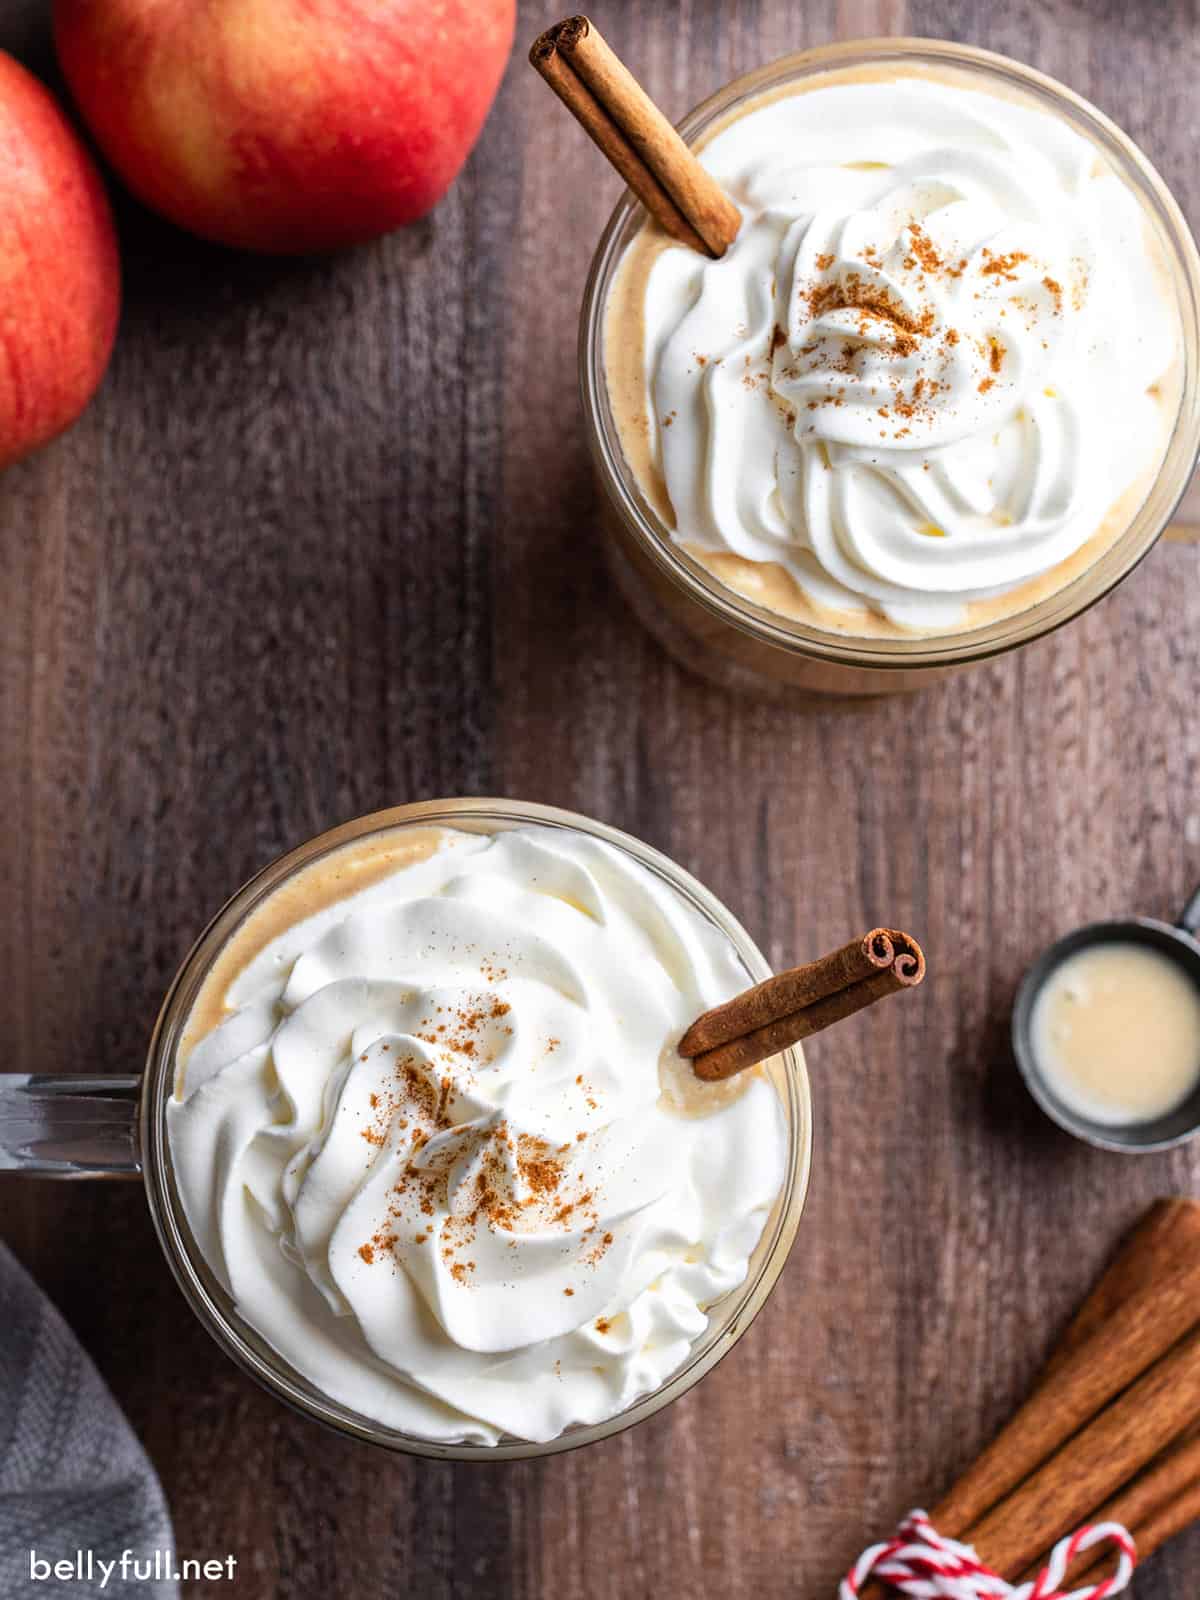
(926, 369)
(429, 1155)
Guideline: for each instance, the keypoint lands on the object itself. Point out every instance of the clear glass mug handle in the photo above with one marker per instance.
(61, 1127)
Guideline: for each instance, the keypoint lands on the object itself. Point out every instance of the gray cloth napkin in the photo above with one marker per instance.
(73, 1478)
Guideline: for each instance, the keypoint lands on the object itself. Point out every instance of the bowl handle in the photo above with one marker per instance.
(64, 1127)
(1189, 918)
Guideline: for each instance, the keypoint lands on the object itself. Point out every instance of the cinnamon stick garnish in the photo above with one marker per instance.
(793, 1005)
(620, 117)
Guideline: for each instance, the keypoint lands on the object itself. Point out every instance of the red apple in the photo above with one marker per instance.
(285, 125)
(60, 277)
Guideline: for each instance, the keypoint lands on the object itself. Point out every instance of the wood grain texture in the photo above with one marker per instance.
(327, 541)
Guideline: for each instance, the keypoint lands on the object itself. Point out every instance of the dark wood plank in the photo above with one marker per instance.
(327, 541)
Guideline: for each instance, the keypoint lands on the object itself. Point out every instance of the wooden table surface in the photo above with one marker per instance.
(327, 542)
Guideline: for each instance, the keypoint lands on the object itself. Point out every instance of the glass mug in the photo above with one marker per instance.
(729, 639)
(95, 1127)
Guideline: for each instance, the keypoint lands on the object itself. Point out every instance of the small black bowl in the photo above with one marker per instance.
(1180, 941)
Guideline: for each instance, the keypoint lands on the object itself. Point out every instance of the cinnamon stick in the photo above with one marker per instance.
(1144, 1471)
(1126, 1348)
(622, 120)
(1166, 1497)
(1127, 1434)
(790, 991)
(1156, 1506)
(1178, 1509)
(796, 1004)
(1166, 1236)
(1171, 1518)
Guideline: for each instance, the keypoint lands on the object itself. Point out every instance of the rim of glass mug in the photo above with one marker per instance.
(1091, 586)
(731, 1315)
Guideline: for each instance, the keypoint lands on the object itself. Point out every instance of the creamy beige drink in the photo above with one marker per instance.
(431, 1132)
(1116, 1033)
(932, 379)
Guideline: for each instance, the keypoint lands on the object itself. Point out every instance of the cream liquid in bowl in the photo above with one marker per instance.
(1115, 1030)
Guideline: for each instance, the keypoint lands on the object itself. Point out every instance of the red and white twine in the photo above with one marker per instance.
(918, 1561)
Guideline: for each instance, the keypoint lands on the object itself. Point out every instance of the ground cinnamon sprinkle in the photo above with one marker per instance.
(923, 249)
(598, 1251)
(565, 1213)
(377, 1245)
(871, 303)
(1004, 266)
(421, 1094)
(869, 298)
(522, 1184)
(536, 1164)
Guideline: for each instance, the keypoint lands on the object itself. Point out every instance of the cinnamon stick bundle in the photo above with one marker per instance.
(1161, 1502)
(795, 1004)
(622, 120)
(1165, 1498)
(1123, 1437)
(1160, 1242)
(1112, 1430)
(1124, 1349)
